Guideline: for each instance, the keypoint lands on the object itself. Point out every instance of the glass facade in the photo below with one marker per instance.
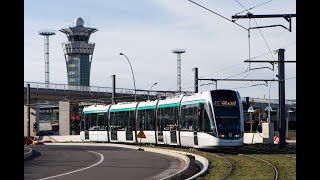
(49, 114)
(78, 69)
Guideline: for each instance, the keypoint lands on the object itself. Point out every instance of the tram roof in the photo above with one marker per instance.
(95, 109)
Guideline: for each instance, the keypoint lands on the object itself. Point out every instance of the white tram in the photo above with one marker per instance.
(203, 120)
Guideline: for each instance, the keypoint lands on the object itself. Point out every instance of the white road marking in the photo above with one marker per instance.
(101, 156)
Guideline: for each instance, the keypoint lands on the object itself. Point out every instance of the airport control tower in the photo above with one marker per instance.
(78, 52)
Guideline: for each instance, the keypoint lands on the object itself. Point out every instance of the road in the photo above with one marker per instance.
(97, 162)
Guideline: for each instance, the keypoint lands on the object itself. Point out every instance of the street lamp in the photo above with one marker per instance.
(134, 82)
(251, 110)
(150, 89)
(269, 118)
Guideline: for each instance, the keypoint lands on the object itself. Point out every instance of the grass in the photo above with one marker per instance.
(246, 168)
(250, 168)
(285, 165)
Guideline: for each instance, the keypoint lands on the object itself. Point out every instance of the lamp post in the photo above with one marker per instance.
(269, 118)
(150, 89)
(134, 82)
(251, 110)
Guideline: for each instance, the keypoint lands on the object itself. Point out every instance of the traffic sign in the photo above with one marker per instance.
(141, 134)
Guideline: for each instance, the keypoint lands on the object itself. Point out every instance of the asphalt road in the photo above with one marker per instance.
(93, 162)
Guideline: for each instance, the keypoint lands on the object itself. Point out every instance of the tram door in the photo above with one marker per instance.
(195, 131)
(113, 130)
(196, 124)
(160, 130)
(160, 136)
(128, 127)
(173, 134)
(86, 134)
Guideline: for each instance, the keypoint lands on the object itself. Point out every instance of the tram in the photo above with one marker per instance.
(203, 120)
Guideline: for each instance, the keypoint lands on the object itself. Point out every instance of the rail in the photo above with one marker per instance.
(95, 89)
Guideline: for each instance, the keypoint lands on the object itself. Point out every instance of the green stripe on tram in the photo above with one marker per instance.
(146, 107)
(200, 101)
(123, 109)
(94, 111)
(168, 105)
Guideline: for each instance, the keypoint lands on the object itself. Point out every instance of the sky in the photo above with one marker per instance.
(147, 31)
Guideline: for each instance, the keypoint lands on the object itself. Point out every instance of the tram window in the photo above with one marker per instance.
(167, 118)
(101, 122)
(204, 124)
(112, 118)
(93, 122)
(146, 119)
(188, 114)
(85, 122)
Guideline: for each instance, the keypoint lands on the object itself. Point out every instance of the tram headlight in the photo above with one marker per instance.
(222, 135)
(237, 135)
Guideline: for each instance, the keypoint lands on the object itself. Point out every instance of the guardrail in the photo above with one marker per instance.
(95, 89)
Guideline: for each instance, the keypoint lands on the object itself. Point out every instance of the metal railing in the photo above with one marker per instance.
(272, 101)
(95, 89)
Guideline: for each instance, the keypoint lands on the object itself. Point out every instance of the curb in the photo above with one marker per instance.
(29, 153)
(200, 161)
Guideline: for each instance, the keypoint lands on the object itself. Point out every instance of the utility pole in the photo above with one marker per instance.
(28, 110)
(282, 105)
(196, 80)
(113, 88)
(281, 86)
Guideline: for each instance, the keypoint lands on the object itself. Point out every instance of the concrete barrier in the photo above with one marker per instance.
(57, 138)
(252, 138)
(28, 153)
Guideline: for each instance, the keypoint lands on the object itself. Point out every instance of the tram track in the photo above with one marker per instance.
(231, 165)
(275, 170)
(231, 153)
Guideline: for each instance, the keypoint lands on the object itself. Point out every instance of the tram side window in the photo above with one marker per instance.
(101, 122)
(204, 124)
(123, 119)
(129, 115)
(113, 119)
(188, 114)
(116, 120)
(85, 122)
(167, 118)
(160, 119)
(93, 122)
(173, 116)
(146, 119)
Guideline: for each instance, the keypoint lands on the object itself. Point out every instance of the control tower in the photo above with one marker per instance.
(78, 52)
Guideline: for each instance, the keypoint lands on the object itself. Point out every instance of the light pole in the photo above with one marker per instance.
(134, 82)
(251, 110)
(269, 119)
(150, 89)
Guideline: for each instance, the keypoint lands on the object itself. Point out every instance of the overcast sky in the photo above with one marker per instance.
(148, 30)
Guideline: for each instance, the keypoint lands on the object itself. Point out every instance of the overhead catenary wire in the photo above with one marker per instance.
(273, 50)
(260, 84)
(254, 7)
(218, 14)
(260, 33)
(221, 70)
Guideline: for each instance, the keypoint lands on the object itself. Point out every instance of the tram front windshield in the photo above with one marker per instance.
(226, 111)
